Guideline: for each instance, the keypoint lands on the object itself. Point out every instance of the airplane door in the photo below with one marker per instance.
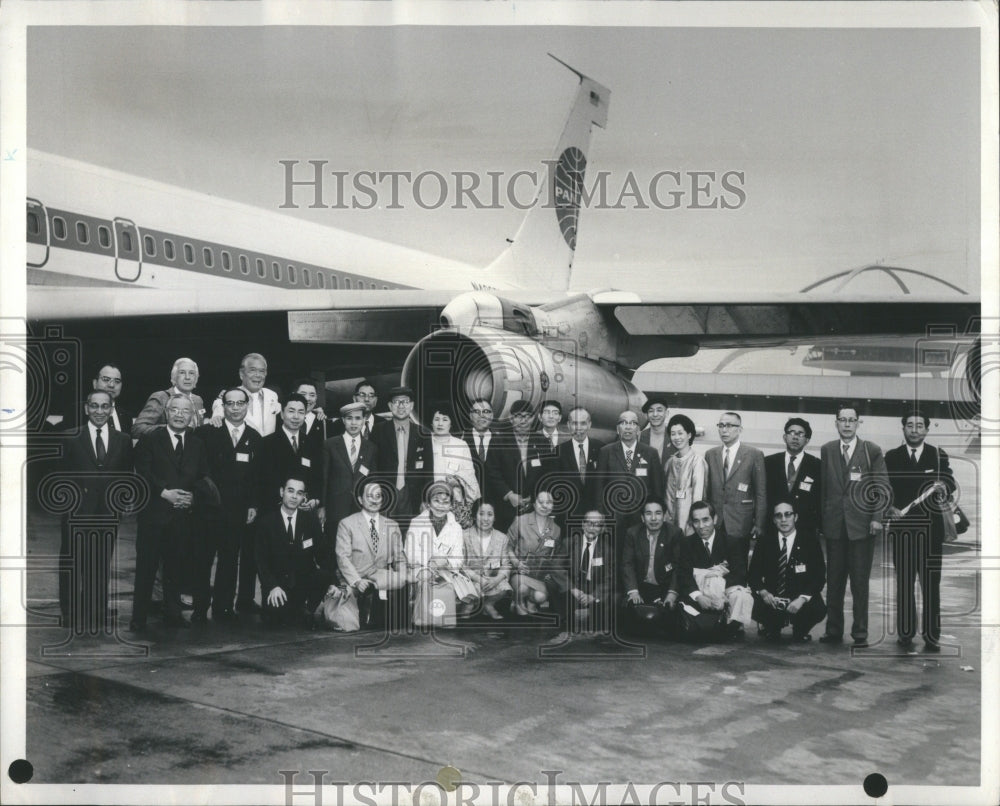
(38, 234)
(128, 258)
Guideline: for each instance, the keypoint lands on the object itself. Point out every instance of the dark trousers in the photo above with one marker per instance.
(388, 615)
(169, 543)
(219, 535)
(809, 615)
(84, 574)
(648, 618)
(302, 598)
(916, 553)
(848, 559)
(247, 564)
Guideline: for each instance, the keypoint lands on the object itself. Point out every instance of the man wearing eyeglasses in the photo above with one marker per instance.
(577, 463)
(234, 457)
(403, 456)
(109, 379)
(795, 474)
(787, 575)
(365, 394)
(515, 466)
(856, 495)
(262, 406)
(737, 483)
(480, 438)
(183, 379)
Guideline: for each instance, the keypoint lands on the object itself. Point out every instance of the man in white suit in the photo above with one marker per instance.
(263, 406)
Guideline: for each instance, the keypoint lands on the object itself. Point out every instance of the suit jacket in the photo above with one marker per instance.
(124, 417)
(236, 471)
(909, 482)
(646, 467)
(563, 435)
(471, 438)
(280, 562)
(853, 504)
(693, 555)
(417, 472)
(157, 463)
(154, 416)
(79, 457)
(278, 461)
(807, 498)
(567, 469)
(741, 497)
(602, 559)
(335, 425)
(666, 557)
(806, 572)
(506, 472)
(357, 559)
(340, 477)
(263, 422)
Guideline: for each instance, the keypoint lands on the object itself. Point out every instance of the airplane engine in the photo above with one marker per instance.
(461, 365)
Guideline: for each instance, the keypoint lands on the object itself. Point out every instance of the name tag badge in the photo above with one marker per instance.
(806, 486)
(383, 595)
(800, 568)
(419, 464)
(536, 462)
(307, 543)
(598, 562)
(807, 479)
(641, 471)
(243, 457)
(668, 567)
(306, 462)
(742, 486)
(550, 543)
(682, 493)
(929, 470)
(855, 475)
(363, 470)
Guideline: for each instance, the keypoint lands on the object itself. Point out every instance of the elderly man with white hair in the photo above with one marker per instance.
(183, 379)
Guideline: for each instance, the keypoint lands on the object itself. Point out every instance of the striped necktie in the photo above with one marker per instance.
(783, 566)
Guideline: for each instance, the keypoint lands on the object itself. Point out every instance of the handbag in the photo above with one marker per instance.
(465, 589)
(699, 625)
(434, 604)
(339, 610)
(955, 521)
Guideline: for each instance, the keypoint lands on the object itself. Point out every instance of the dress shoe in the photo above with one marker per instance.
(932, 646)
(177, 621)
(771, 636)
(199, 617)
(734, 631)
(861, 643)
(831, 639)
(905, 642)
(223, 615)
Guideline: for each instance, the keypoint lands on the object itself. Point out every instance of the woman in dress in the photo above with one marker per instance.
(486, 558)
(534, 545)
(686, 471)
(435, 554)
(452, 463)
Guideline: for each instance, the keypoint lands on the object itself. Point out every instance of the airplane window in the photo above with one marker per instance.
(333, 281)
(207, 253)
(306, 279)
(260, 267)
(168, 249)
(126, 241)
(275, 270)
(374, 287)
(104, 236)
(82, 232)
(188, 253)
(59, 227)
(385, 288)
(150, 245)
(227, 263)
(347, 282)
(319, 280)
(33, 227)
(244, 265)
(291, 274)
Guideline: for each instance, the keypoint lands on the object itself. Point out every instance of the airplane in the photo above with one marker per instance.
(105, 246)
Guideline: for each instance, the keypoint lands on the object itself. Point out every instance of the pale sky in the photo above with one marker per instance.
(857, 146)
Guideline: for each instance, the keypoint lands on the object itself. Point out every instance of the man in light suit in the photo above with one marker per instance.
(98, 451)
(184, 378)
(737, 484)
(263, 406)
(856, 496)
(370, 559)
(795, 474)
(921, 479)
(787, 575)
(577, 465)
(347, 461)
(109, 379)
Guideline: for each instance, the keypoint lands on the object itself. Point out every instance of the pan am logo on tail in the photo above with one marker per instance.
(569, 176)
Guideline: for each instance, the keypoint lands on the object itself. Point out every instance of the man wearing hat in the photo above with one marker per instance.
(516, 464)
(402, 453)
(347, 460)
(655, 433)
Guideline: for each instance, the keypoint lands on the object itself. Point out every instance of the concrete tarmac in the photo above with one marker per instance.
(237, 703)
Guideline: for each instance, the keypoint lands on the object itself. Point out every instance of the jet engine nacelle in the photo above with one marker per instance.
(459, 365)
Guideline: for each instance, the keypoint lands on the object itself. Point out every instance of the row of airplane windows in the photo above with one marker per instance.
(60, 232)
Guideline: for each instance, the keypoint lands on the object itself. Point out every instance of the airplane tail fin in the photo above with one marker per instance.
(541, 253)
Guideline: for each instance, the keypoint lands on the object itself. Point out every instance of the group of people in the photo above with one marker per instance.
(469, 517)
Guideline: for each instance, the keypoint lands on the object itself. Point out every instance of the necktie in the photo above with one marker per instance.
(913, 455)
(782, 565)
(725, 465)
(555, 439)
(365, 433)
(99, 448)
(650, 573)
(628, 461)
(354, 449)
(791, 473)
(400, 457)
(250, 407)
(482, 449)
(847, 456)
(374, 537)
(236, 437)
(707, 547)
(295, 444)
(113, 424)
(289, 531)
(582, 460)
(586, 560)
(179, 447)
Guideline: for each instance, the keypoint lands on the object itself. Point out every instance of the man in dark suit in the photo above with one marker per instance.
(591, 583)
(288, 544)
(855, 498)
(183, 379)
(795, 474)
(515, 466)
(403, 456)
(347, 460)
(576, 467)
(365, 394)
(787, 575)
(480, 439)
(315, 423)
(286, 453)
(710, 551)
(172, 460)
(628, 473)
(85, 558)
(655, 433)
(234, 456)
(737, 483)
(109, 379)
(551, 429)
(650, 566)
(921, 480)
